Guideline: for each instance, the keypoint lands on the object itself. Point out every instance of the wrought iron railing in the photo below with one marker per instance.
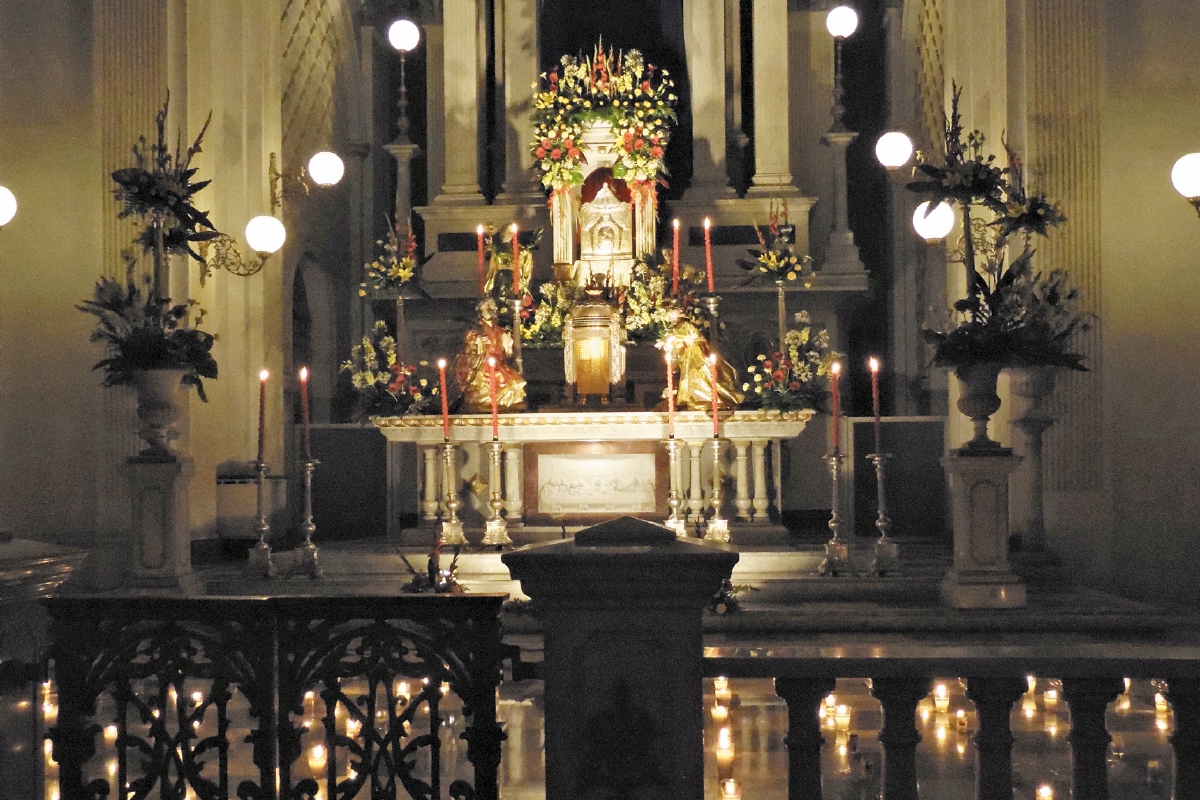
(337, 697)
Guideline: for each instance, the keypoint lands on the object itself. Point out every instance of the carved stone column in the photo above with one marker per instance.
(429, 489)
(520, 74)
(1088, 699)
(513, 494)
(772, 157)
(758, 463)
(899, 735)
(803, 697)
(741, 481)
(461, 92)
(704, 39)
(1184, 695)
(993, 698)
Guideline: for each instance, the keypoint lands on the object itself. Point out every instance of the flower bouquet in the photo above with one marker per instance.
(794, 378)
(384, 386)
(647, 304)
(777, 260)
(396, 267)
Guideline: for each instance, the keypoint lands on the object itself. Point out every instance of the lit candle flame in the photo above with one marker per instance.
(441, 363)
(835, 367)
(873, 362)
(262, 376)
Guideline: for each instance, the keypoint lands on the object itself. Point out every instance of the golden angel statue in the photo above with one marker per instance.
(471, 368)
(690, 351)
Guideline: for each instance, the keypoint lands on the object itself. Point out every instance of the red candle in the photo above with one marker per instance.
(479, 269)
(495, 407)
(516, 251)
(670, 392)
(262, 412)
(675, 258)
(304, 413)
(716, 401)
(441, 364)
(874, 364)
(708, 254)
(834, 370)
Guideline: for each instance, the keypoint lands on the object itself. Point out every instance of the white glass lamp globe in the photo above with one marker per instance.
(265, 235)
(1185, 175)
(8, 206)
(404, 35)
(841, 22)
(935, 226)
(326, 168)
(894, 149)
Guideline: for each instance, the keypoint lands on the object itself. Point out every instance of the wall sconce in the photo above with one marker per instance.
(893, 150)
(264, 234)
(1185, 175)
(324, 168)
(8, 206)
(935, 225)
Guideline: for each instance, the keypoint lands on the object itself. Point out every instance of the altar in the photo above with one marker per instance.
(563, 470)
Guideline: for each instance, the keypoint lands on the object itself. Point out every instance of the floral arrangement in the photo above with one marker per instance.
(384, 385)
(144, 332)
(391, 271)
(795, 378)
(777, 259)
(725, 601)
(636, 98)
(549, 316)
(647, 303)
(159, 190)
(1011, 315)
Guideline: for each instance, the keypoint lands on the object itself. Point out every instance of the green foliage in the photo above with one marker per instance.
(794, 378)
(383, 385)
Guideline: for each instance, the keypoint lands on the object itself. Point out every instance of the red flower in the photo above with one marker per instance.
(573, 152)
(524, 314)
(787, 363)
(656, 152)
(645, 86)
(556, 153)
(768, 364)
(526, 300)
(778, 355)
(777, 375)
(568, 142)
(414, 391)
(401, 377)
(411, 370)
(545, 142)
(639, 144)
(540, 152)
(794, 386)
(628, 139)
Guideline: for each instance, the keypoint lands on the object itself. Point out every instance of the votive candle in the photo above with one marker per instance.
(304, 421)
(716, 400)
(479, 266)
(708, 267)
(441, 365)
(874, 365)
(495, 407)
(262, 412)
(670, 394)
(835, 370)
(516, 253)
(675, 257)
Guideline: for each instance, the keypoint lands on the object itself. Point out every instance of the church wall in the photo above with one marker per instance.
(49, 259)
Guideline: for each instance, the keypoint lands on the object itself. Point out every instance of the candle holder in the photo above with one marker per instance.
(452, 527)
(674, 500)
(307, 562)
(718, 526)
(887, 553)
(260, 554)
(781, 313)
(712, 303)
(516, 335)
(495, 533)
(837, 553)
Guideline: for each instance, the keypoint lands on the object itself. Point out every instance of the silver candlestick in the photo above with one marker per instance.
(452, 527)
(307, 563)
(718, 526)
(260, 554)
(674, 501)
(495, 533)
(837, 554)
(516, 335)
(711, 303)
(887, 552)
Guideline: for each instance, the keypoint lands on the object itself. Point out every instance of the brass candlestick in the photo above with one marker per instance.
(718, 526)
(307, 562)
(837, 554)
(887, 552)
(674, 501)
(495, 533)
(260, 554)
(452, 527)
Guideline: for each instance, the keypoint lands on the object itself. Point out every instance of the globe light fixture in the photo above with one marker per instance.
(1185, 176)
(933, 226)
(326, 168)
(8, 206)
(841, 22)
(404, 35)
(265, 235)
(893, 150)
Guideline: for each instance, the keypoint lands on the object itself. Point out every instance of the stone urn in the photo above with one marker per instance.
(979, 401)
(159, 398)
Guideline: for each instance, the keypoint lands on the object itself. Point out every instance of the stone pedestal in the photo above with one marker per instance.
(841, 254)
(621, 606)
(1031, 389)
(160, 535)
(981, 576)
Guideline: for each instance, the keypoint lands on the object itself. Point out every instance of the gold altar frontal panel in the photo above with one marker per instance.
(582, 483)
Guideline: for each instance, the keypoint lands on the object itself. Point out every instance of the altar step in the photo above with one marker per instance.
(743, 533)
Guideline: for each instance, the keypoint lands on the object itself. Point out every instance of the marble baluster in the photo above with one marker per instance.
(804, 740)
(429, 488)
(741, 481)
(695, 487)
(513, 488)
(1184, 695)
(899, 735)
(1088, 699)
(758, 465)
(993, 698)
